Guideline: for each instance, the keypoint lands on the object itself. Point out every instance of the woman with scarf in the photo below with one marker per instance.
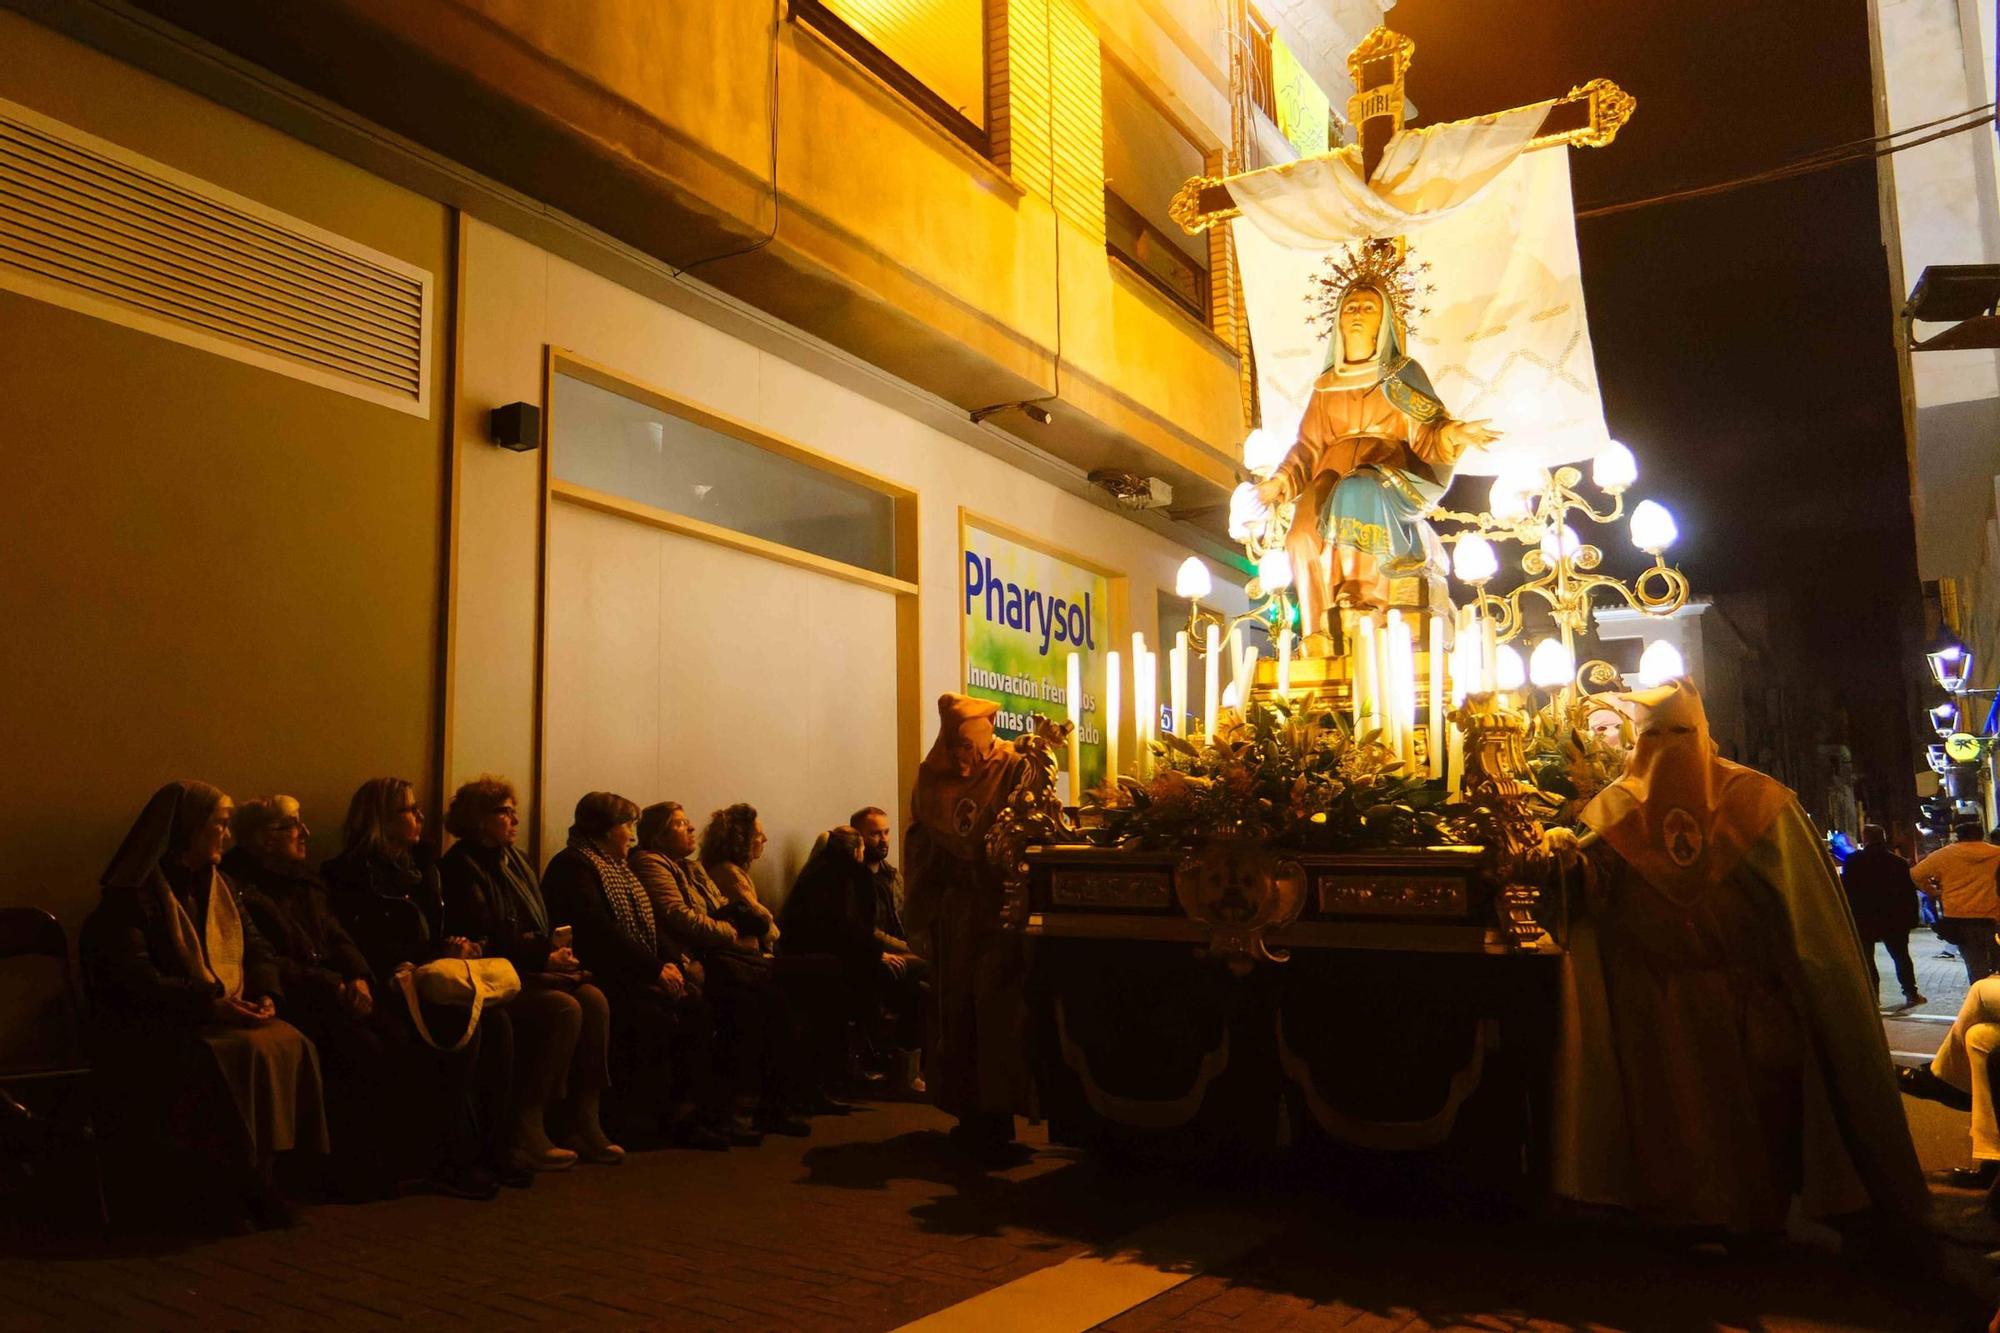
(753, 1017)
(1375, 450)
(386, 893)
(195, 1064)
(662, 1032)
(562, 1023)
(1720, 1054)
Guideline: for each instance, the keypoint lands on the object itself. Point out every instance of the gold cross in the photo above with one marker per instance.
(1588, 116)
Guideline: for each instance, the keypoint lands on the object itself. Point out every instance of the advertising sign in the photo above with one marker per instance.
(1024, 612)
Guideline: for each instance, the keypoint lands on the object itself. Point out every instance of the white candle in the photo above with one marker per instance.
(1379, 701)
(1146, 683)
(1111, 719)
(1242, 668)
(1211, 690)
(1435, 736)
(1489, 653)
(1361, 668)
(1140, 734)
(1075, 729)
(1178, 664)
(1401, 686)
(1285, 664)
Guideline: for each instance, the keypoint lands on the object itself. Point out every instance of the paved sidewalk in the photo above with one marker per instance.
(873, 1223)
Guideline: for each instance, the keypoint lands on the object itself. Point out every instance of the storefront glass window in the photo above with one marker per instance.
(637, 451)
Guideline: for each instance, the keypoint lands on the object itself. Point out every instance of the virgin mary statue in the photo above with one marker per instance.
(1375, 449)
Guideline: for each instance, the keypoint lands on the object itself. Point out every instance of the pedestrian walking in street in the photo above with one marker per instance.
(1965, 878)
(1877, 883)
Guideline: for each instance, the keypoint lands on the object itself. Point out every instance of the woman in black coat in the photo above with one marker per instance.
(385, 893)
(562, 1023)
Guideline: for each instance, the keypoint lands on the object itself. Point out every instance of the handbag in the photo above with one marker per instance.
(470, 982)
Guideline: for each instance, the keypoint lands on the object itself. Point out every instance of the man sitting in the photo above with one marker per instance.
(908, 975)
(1961, 1076)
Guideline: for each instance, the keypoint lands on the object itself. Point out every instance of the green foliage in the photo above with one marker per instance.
(1293, 779)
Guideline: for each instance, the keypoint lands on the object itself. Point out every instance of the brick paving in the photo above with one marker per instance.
(868, 1224)
(872, 1223)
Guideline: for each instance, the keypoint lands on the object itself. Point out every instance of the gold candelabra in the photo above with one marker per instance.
(1535, 509)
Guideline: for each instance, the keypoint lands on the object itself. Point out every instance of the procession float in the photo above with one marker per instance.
(1322, 901)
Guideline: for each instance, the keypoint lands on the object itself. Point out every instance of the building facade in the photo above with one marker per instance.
(1935, 63)
(267, 274)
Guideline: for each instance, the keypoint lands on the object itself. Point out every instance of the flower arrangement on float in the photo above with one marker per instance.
(1288, 777)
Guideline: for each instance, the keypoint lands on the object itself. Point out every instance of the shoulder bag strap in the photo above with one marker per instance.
(407, 977)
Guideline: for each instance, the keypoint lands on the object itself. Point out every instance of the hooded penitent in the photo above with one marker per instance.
(955, 806)
(1682, 816)
(955, 899)
(1719, 1050)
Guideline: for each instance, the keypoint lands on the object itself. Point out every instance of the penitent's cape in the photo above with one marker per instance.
(1689, 821)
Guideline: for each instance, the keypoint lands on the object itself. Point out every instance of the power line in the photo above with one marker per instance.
(1825, 159)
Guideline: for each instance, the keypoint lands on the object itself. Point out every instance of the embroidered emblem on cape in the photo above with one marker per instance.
(1683, 838)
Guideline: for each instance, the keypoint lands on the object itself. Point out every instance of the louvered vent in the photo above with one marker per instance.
(87, 225)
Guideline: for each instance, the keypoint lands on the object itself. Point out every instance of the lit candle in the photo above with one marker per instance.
(1177, 687)
(1239, 675)
(1402, 686)
(1381, 704)
(1243, 665)
(1075, 729)
(1211, 690)
(1143, 689)
(1489, 653)
(1149, 681)
(1454, 759)
(1435, 736)
(1111, 702)
(1361, 667)
(1285, 664)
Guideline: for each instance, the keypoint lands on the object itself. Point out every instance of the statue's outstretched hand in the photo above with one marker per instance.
(1471, 434)
(1271, 492)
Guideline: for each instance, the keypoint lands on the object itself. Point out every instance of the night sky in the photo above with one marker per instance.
(1745, 343)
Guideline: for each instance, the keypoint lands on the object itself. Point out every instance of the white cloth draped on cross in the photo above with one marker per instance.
(1506, 337)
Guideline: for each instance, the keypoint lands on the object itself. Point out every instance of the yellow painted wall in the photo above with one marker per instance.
(207, 569)
(877, 192)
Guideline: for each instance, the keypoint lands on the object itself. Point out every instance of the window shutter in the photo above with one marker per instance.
(942, 43)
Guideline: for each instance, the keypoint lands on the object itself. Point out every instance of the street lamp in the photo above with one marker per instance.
(1944, 719)
(1951, 664)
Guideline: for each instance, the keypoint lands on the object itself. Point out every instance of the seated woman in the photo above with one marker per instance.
(752, 1018)
(562, 1023)
(386, 893)
(195, 1062)
(831, 912)
(662, 1032)
(734, 839)
(327, 993)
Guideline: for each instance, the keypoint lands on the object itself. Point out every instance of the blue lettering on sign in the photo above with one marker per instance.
(1056, 619)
